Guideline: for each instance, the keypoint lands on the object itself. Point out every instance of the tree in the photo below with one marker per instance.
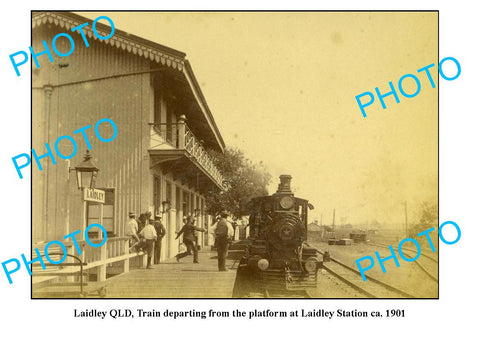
(243, 181)
(428, 218)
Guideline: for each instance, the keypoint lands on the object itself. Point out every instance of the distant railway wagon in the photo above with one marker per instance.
(358, 237)
(344, 242)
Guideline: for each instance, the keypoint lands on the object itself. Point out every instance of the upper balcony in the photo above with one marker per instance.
(177, 149)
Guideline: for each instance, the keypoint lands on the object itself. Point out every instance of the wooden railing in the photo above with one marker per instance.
(116, 249)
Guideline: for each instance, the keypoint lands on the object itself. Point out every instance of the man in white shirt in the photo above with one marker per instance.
(150, 235)
(132, 230)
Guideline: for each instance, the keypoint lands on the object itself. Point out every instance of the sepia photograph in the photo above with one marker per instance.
(234, 155)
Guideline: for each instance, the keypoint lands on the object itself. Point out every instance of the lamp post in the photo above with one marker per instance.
(87, 174)
(165, 206)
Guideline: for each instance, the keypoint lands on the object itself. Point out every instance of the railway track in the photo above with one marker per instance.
(420, 266)
(245, 287)
(350, 276)
(381, 245)
(286, 294)
(277, 294)
(374, 288)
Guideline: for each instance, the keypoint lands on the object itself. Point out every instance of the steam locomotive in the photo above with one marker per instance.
(277, 258)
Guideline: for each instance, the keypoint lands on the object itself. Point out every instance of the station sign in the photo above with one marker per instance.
(94, 195)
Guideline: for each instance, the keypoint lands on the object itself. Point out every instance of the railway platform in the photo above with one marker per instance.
(172, 279)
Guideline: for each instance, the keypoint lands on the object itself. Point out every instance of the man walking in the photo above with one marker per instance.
(160, 229)
(223, 236)
(189, 239)
(150, 236)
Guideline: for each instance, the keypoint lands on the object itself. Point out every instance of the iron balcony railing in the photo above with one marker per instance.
(179, 136)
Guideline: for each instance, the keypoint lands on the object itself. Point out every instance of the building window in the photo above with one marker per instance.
(93, 213)
(164, 116)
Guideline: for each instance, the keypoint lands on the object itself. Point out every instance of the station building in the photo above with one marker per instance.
(159, 161)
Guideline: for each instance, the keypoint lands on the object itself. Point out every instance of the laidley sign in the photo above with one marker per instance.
(94, 195)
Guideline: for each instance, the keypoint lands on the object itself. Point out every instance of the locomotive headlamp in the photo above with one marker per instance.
(263, 264)
(311, 264)
(287, 202)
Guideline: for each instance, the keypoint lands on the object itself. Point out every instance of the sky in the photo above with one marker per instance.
(282, 86)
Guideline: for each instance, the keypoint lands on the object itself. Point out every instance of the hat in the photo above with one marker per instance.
(131, 213)
(223, 213)
(157, 215)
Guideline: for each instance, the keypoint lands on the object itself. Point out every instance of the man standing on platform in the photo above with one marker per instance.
(223, 236)
(150, 235)
(160, 229)
(132, 230)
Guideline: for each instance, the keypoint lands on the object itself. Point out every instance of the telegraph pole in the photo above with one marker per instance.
(333, 224)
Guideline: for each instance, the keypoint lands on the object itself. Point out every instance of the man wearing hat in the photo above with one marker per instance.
(150, 235)
(223, 235)
(160, 229)
(132, 230)
(189, 239)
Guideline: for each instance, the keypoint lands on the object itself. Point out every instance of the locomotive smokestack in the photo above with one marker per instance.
(284, 186)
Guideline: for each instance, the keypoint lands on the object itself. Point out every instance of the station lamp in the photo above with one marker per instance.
(165, 206)
(86, 172)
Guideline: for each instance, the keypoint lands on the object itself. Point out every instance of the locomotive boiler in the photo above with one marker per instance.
(277, 259)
